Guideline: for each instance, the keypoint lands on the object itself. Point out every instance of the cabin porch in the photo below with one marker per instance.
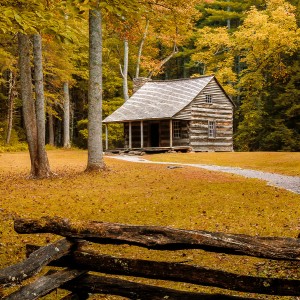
(154, 135)
(148, 150)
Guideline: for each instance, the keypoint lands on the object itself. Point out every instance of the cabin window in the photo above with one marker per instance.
(176, 130)
(211, 129)
(208, 98)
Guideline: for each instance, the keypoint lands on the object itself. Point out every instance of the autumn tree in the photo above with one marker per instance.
(8, 79)
(214, 55)
(33, 112)
(32, 19)
(265, 41)
(95, 148)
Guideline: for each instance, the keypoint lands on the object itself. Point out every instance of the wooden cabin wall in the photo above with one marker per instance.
(220, 111)
(164, 133)
(184, 139)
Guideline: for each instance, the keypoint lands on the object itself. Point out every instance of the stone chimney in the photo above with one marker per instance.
(139, 82)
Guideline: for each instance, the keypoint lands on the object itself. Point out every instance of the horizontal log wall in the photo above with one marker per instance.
(184, 139)
(220, 111)
(200, 113)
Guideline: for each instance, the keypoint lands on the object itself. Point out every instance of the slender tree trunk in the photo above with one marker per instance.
(137, 72)
(27, 99)
(95, 150)
(124, 71)
(67, 143)
(51, 129)
(58, 135)
(43, 166)
(11, 98)
(228, 20)
(71, 123)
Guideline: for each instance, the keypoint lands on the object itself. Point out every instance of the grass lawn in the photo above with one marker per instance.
(134, 193)
(287, 163)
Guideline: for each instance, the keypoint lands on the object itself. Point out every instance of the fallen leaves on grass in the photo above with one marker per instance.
(135, 193)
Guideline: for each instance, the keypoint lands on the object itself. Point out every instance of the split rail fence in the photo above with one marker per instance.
(77, 267)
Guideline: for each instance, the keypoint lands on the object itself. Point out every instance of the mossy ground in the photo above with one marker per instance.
(134, 193)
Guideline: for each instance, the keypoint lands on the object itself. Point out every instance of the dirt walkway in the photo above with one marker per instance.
(290, 183)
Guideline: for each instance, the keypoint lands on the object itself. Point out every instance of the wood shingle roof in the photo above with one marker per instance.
(159, 99)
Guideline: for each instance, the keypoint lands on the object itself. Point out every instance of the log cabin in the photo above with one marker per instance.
(194, 114)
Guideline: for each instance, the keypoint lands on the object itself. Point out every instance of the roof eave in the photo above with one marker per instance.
(138, 120)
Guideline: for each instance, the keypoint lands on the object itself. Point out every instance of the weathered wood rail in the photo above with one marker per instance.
(69, 254)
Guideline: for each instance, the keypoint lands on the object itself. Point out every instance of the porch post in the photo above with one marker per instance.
(142, 134)
(171, 133)
(106, 136)
(130, 136)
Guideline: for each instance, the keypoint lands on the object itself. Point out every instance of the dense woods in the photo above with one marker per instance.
(251, 46)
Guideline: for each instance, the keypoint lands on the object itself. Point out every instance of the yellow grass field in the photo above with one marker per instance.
(134, 193)
(287, 163)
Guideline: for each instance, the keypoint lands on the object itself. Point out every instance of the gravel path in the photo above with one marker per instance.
(290, 183)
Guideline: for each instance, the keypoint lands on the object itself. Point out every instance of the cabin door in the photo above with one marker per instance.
(154, 134)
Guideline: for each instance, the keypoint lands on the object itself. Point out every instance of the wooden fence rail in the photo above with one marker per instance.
(69, 254)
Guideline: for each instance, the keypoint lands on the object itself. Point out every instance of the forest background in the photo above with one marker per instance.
(252, 46)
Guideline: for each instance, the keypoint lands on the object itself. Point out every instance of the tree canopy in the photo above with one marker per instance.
(251, 46)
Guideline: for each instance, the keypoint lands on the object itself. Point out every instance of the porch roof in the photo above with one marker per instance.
(159, 99)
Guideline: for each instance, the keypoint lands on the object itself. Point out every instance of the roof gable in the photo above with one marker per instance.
(159, 99)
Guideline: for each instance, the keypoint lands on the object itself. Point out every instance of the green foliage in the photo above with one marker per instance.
(224, 13)
(13, 148)
(81, 141)
(115, 136)
(14, 140)
(115, 131)
(280, 137)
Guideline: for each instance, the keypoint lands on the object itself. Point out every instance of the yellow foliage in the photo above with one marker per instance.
(214, 52)
(265, 35)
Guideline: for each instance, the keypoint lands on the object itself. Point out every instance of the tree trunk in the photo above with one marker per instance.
(71, 123)
(137, 72)
(158, 237)
(11, 98)
(228, 20)
(67, 143)
(95, 149)
(28, 102)
(43, 169)
(124, 71)
(51, 129)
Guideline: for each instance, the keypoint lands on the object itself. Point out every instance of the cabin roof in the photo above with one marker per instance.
(159, 99)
